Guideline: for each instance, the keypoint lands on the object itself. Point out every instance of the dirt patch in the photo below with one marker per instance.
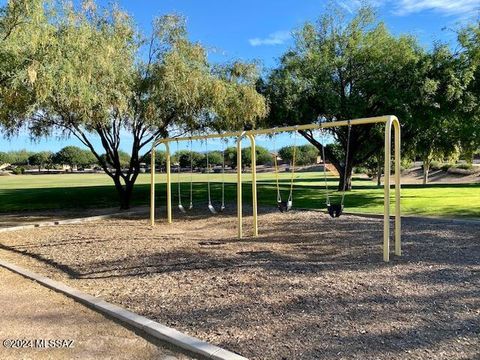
(415, 176)
(310, 287)
(29, 311)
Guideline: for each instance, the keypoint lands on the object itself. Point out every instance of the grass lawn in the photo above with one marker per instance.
(41, 192)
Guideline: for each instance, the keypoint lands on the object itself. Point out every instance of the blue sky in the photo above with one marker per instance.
(260, 30)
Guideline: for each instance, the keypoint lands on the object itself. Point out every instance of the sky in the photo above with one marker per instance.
(261, 30)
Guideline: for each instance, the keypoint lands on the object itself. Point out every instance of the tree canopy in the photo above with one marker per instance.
(74, 156)
(91, 80)
(341, 70)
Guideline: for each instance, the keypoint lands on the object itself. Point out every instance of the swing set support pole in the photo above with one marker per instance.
(392, 121)
(253, 159)
(152, 186)
(239, 186)
(169, 183)
(254, 183)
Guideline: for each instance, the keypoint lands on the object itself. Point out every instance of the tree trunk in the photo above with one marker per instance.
(124, 192)
(379, 171)
(348, 178)
(379, 175)
(426, 171)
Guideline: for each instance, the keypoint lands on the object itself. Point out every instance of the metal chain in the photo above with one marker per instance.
(346, 162)
(178, 179)
(208, 175)
(275, 155)
(322, 139)
(223, 174)
(191, 174)
(290, 196)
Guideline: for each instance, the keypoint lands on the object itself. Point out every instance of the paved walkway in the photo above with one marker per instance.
(29, 311)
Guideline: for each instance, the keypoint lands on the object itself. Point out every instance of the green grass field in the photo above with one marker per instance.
(69, 191)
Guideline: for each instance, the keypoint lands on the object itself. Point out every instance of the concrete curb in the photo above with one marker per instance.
(157, 330)
(67, 221)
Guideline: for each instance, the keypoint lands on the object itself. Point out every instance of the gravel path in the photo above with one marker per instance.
(310, 287)
(29, 311)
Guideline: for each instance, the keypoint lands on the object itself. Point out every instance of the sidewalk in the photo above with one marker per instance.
(29, 311)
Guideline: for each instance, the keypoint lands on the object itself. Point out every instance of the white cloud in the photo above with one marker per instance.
(276, 38)
(351, 5)
(406, 7)
(447, 7)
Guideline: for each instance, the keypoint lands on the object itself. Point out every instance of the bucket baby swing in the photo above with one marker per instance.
(335, 210)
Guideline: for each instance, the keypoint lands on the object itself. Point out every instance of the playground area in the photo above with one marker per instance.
(309, 287)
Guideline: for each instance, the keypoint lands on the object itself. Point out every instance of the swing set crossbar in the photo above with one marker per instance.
(389, 120)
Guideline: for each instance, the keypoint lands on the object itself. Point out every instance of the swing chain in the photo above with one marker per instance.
(322, 137)
(223, 175)
(191, 175)
(290, 196)
(346, 162)
(275, 162)
(178, 179)
(207, 172)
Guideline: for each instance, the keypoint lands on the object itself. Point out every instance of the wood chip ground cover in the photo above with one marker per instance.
(309, 287)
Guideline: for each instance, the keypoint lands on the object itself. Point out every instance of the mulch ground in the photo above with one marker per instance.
(309, 287)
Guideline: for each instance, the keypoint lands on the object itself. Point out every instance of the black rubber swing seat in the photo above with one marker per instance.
(282, 206)
(335, 210)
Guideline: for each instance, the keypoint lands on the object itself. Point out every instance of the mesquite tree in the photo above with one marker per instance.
(341, 70)
(99, 78)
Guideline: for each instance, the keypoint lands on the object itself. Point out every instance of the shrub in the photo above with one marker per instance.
(360, 170)
(446, 166)
(18, 170)
(435, 165)
(406, 164)
(465, 166)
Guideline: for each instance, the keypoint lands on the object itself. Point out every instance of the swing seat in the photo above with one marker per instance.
(212, 209)
(335, 210)
(284, 206)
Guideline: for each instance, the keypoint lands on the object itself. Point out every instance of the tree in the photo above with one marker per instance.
(304, 154)
(41, 159)
(123, 157)
(231, 156)
(444, 112)
(94, 82)
(183, 158)
(341, 70)
(19, 157)
(469, 112)
(21, 22)
(215, 158)
(73, 156)
(4, 158)
(160, 158)
(263, 156)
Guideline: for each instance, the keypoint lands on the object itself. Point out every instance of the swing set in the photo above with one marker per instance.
(335, 210)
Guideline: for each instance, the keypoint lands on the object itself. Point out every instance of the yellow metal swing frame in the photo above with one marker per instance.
(389, 120)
